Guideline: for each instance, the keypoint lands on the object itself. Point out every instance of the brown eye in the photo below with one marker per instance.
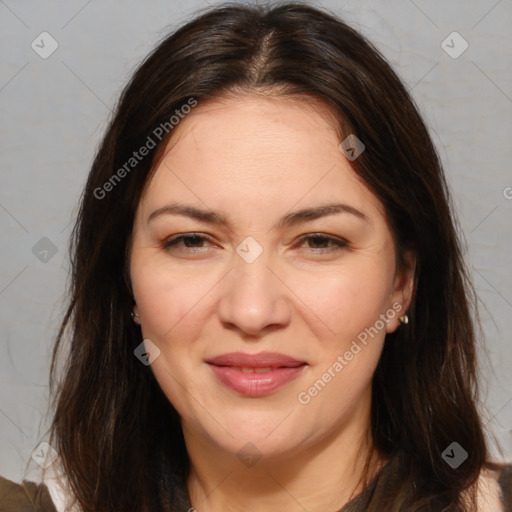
(324, 243)
(189, 241)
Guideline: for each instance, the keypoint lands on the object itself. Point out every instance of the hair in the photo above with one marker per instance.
(112, 421)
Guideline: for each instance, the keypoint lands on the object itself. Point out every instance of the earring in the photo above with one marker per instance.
(136, 317)
(404, 320)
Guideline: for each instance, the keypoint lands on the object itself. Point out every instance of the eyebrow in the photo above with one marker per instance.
(290, 219)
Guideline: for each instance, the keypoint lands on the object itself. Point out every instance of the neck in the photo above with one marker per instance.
(322, 477)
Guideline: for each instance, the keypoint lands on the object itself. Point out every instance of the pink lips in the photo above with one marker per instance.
(255, 374)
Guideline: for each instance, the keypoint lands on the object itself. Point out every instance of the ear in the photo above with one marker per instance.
(136, 318)
(403, 287)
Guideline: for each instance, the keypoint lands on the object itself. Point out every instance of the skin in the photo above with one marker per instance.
(254, 159)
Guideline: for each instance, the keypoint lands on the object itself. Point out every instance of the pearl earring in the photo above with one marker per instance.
(136, 317)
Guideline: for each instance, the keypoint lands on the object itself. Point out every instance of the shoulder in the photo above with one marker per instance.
(494, 489)
(24, 497)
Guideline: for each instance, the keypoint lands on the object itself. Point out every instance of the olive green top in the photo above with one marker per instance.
(24, 497)
(32, 497)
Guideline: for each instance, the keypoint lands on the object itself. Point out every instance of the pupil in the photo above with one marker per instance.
(192, 240)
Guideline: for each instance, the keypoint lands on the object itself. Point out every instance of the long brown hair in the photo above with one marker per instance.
(112, 422)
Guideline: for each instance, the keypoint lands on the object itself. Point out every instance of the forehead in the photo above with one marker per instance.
(252, 125)
(260, 149)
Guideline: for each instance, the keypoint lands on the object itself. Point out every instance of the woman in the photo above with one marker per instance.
(269, 307)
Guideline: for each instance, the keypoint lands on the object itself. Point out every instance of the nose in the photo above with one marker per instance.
(254, 299)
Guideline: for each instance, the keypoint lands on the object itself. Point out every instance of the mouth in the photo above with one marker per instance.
(263, 369)
(255, 374)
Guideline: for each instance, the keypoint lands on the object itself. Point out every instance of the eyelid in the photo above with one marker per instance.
(167, 242)
(334, 238)
(338, 242)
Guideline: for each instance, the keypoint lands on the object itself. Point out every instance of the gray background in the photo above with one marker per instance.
(53, 113)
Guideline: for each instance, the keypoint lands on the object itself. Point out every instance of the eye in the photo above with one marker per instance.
(319, 243)
(191, 241)
(195, 243)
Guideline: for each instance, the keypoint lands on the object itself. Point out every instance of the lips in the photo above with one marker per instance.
(255, 374)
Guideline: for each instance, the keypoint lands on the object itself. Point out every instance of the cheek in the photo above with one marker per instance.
(339, 301)
(169, 302)
(174, 308)
(346, 300)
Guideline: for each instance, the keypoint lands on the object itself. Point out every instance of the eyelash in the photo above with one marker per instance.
(338, 242)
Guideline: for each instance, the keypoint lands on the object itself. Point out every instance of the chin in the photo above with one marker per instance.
(270, 434)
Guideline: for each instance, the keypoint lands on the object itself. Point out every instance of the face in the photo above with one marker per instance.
(264, 271)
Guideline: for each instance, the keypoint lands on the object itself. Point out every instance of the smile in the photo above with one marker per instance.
(255, 374)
